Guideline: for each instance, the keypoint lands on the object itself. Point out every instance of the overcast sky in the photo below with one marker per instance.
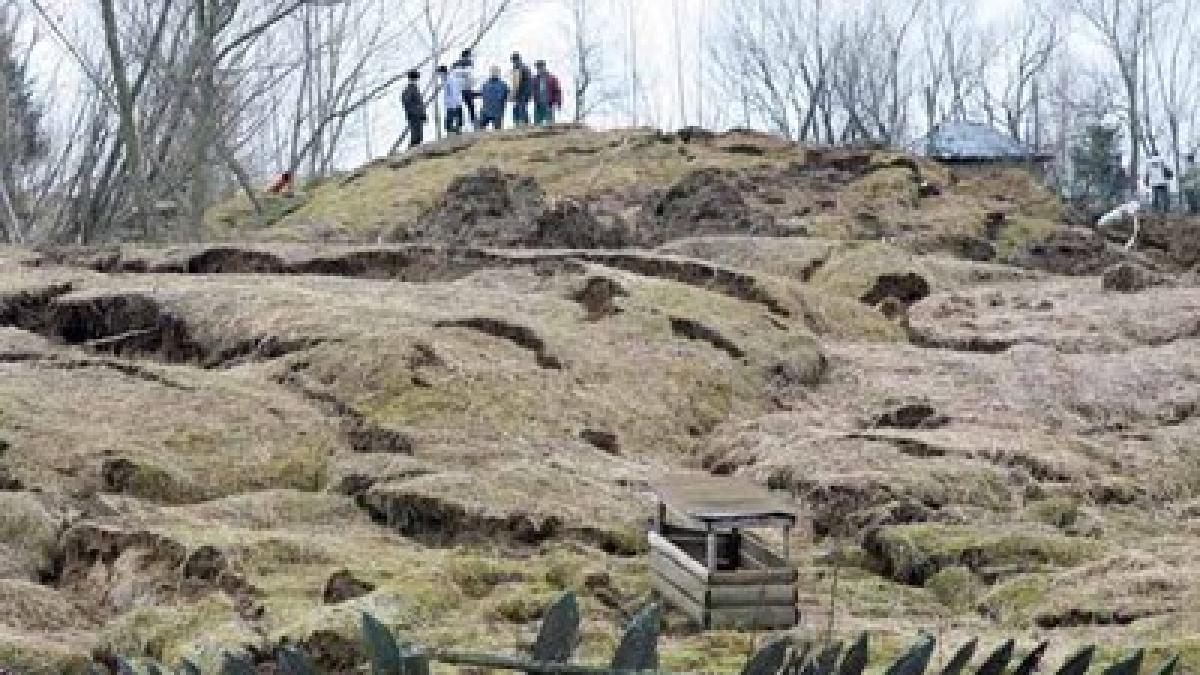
(541, 30)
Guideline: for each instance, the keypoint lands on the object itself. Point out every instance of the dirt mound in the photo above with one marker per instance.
(908, 289)
(491, 208)
(110, 569)
(1127, 277)
(705, 202)
(598, 296)
(1073, 251)
(573, 224)
(1171, 240)
(487, 207)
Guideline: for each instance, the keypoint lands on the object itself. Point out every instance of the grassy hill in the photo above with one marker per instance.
(235, 444)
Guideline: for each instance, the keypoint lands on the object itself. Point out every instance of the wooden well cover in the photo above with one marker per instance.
(723, 502)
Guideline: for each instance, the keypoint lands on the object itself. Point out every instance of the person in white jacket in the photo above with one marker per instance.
(465, 69)
(452, 96)
(1158, 180)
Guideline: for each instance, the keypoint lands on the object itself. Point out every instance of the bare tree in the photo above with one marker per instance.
(868, 60)
(680, 88)
(593, 90)
(761, 54)
(1034, 37)
(957, 51)
(189, 99)
(1124, 27)
(1176, 57)
(126, 104)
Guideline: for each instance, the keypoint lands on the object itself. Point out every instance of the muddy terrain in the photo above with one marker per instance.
(436, 390)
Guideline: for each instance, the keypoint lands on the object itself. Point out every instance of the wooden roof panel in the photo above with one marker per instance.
(721, 500)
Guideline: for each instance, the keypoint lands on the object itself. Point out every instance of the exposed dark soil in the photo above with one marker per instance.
(442, 523)
(909, 415)
(132, 324)
(1073, 251)
(599, 297)
(705, 202)
(604, 440)
(343, 586)
(488, 208)
(909, 288)
(694, 330)
(522, 336)
(1129, 277)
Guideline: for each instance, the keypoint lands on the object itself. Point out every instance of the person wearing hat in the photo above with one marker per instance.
(547, 95)
(521, 90)
(414, 109)
(493, 96)
(464, 67)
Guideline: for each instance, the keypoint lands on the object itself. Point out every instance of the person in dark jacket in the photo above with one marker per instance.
(493, 96)
(465, 67)
(414, 109)
(1189, 184)
(521, 90)
(547, 95)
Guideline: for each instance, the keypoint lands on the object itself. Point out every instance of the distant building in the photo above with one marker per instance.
(975, 144)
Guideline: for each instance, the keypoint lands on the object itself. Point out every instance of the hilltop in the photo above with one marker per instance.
(570, 187)
(436, 388)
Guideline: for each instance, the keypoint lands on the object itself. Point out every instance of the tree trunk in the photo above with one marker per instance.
(12, 223)
(203, 112)
(1135, 127)
(679, 68)
(125, 108)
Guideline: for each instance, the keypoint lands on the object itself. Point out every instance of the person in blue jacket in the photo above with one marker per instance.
(494, 97)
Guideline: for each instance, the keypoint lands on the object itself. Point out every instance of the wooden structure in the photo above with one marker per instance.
(705, 563)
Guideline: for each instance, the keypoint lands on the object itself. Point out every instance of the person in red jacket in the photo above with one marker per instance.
(547, 95)
(282, 186)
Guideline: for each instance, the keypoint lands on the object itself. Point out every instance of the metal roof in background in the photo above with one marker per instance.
(971, 141)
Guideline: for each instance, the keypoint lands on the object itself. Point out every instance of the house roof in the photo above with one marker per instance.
(723, 501)
(972, 141)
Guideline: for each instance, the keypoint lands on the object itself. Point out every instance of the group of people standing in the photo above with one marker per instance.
(1158, 177)
(484, 104)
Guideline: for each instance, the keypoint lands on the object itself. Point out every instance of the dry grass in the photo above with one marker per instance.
(569, 163)
(383, 198)
(1055, 480)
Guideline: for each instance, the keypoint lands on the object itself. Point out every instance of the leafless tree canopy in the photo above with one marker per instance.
(185, 101)
(874, 71)
(137, 116)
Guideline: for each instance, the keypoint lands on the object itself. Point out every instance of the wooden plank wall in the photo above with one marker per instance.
(747, 599)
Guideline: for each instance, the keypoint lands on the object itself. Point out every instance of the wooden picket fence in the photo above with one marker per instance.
(637, 654)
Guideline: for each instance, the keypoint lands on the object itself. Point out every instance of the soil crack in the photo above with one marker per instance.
(522, 336)
(694, 330)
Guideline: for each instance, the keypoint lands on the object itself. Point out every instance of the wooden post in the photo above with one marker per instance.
(712, 548)
(660, 517)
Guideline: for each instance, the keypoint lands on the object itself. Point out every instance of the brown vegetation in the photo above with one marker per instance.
(229, 445)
